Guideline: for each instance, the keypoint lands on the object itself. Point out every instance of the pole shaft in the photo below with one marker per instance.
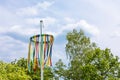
(41, 25)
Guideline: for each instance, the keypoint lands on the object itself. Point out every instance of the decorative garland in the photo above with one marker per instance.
(40, 51)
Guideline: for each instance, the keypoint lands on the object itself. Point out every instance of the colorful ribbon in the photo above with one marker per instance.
(40, 51)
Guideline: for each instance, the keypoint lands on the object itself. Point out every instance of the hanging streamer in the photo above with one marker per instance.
(40, 53)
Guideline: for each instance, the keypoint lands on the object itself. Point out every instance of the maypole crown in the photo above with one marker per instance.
(40, 51)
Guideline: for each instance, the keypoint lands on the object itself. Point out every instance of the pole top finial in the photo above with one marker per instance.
(41, 20)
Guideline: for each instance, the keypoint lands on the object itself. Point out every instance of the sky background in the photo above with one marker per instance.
(19, 20)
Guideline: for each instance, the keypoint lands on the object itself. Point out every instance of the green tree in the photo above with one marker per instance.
(59, 69)
(87, 61)
(12, 72)
(17, 70)
(22, 62)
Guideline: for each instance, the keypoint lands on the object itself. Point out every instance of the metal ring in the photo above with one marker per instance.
(32, 39)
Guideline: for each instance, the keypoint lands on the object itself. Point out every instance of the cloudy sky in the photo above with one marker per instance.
(19, 19)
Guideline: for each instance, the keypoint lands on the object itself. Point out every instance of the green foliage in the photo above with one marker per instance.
(35, 75)
(48, 74)
(12, 72)
(59, 69)
(17, 70)
(87, 61)
(77, 44)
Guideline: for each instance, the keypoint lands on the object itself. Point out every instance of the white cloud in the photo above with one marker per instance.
(36, 21)
(11, 48)
(60, 29)
(109, 9)
(69, 20)
(91, 29)
(7, 17)
(22, 30)
(34, 10)
(27, 11)
(3, 29)
(45, 5)
(115, 34)
(9, 41)
(50, 27)
(49, 24)
(27, 30)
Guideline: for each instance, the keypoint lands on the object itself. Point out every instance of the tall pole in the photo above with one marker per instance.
(41, 25)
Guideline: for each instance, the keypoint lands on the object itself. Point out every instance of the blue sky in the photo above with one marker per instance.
(19, 19)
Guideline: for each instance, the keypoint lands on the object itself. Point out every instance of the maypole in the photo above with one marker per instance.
(41, 25)
(40, 52)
